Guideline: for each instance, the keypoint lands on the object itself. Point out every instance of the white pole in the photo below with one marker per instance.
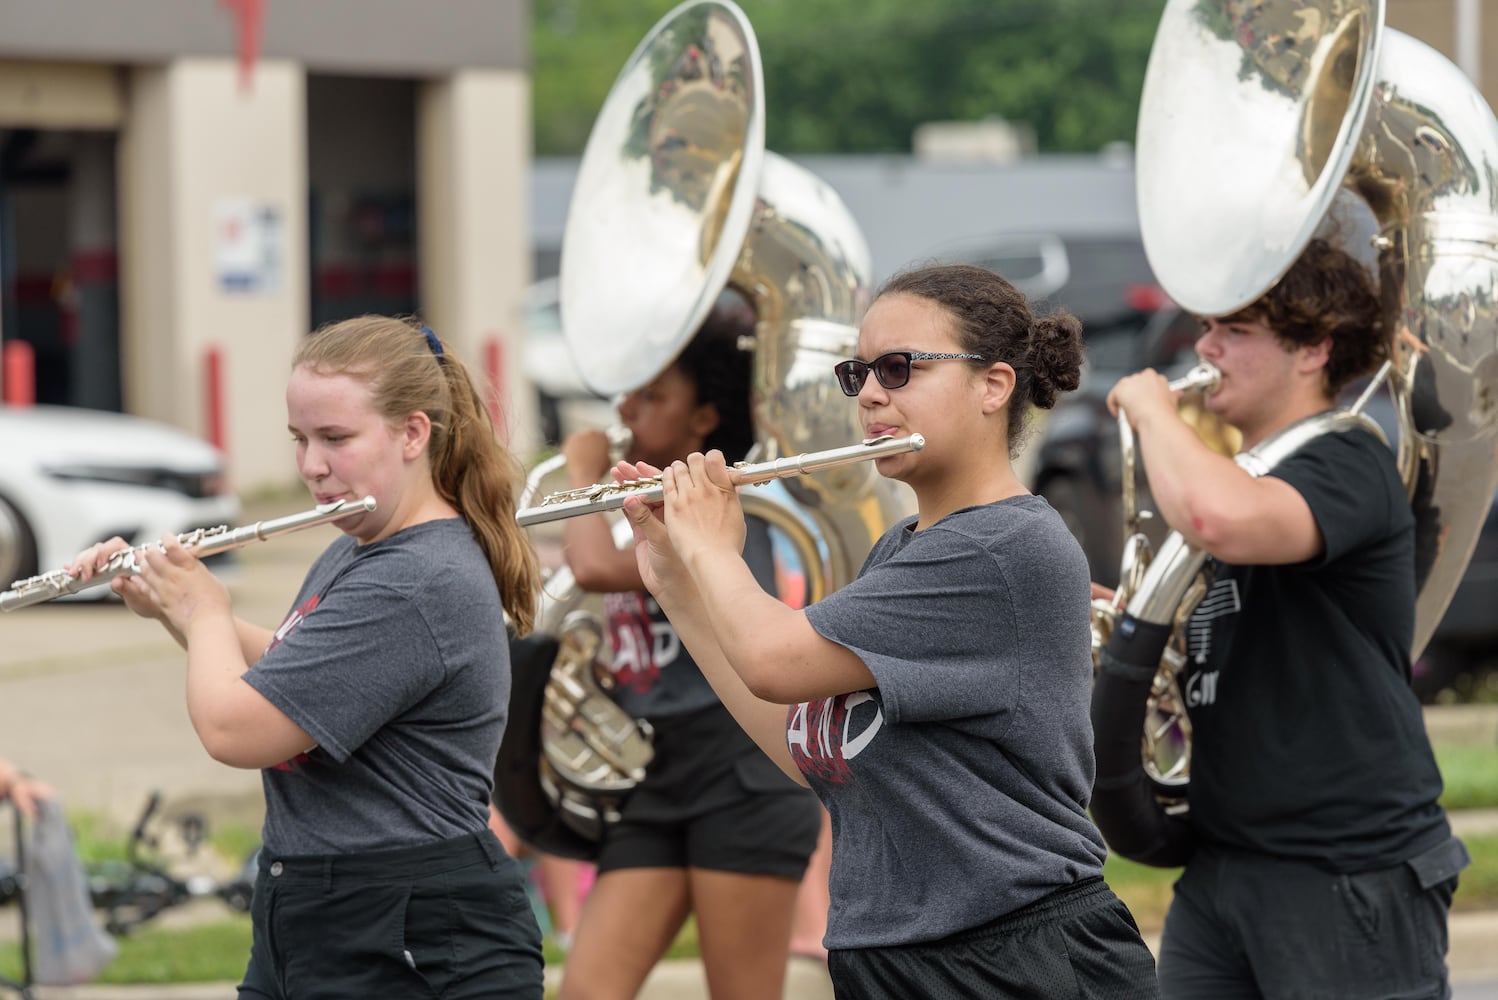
(2, 298)
(1469, 38)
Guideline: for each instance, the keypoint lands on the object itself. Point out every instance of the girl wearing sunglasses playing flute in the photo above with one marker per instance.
(938, 704)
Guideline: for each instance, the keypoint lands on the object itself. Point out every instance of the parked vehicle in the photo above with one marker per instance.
(1105, 280)
(565, 402)
(71, 477)
(1077, 468)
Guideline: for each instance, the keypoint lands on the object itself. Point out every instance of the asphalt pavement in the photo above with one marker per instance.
(91, 700)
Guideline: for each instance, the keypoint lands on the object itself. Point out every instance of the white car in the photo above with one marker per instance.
(71, 477)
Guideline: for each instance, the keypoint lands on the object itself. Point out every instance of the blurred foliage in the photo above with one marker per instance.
(1475, 686)
(210, 952)
(234, 842)
(216, 951)
(1477, 888)
(857, 76)
(1470, 775)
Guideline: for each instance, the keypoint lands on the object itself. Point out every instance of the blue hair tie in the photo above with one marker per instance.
(432, 341)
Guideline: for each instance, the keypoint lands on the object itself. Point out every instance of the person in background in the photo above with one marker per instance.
(1338, 882)
(375, 710)
(813, 900)
(939, 703)
(21, 789)
(563, 881)
(713, 830)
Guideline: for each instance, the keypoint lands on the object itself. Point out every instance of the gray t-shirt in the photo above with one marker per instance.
(394, 661)
(958, 787)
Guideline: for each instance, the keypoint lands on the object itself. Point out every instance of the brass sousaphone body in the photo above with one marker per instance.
(677, 200)
(1255, 118)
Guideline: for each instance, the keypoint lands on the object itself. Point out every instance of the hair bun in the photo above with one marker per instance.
(1055, 356)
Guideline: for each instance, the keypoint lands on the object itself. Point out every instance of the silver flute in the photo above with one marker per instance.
(611, 496)
(202, 542)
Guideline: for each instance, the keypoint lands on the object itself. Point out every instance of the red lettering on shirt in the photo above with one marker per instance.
(825, 735)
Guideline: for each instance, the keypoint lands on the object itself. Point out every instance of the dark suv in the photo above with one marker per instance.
(1077, 468)
(1104, 279)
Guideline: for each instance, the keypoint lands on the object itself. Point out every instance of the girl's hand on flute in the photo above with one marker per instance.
(21, 789)
(176, 583)
(703, 513)
(94, 558)
(660, 567)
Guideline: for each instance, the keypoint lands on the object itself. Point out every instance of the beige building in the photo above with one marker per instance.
(1462, 30)
(179, 204)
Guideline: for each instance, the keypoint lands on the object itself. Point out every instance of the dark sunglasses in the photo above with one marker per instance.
(892, 369)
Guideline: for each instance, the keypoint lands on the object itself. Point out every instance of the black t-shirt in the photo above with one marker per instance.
(654, 675)
(1307, 739)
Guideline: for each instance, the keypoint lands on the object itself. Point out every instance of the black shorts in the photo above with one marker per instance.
(449, 920)
(1251, 925)
(1078, 942)
(711, 799)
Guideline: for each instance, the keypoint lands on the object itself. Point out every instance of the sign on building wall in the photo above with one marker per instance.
(249, 250)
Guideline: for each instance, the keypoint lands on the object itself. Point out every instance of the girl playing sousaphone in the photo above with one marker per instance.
(714, 829)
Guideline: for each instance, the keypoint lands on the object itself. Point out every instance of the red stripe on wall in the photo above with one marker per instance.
(96, 267)
(342, 281)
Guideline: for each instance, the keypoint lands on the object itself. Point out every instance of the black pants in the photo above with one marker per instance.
(1079, 943)
(447, 920)
(1246, 925)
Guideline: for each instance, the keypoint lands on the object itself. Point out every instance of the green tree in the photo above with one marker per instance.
(860, 75)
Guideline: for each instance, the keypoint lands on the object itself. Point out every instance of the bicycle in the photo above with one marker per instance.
(129, 893)
(137, 890)
(13, 886)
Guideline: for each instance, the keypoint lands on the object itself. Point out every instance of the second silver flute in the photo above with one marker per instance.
(202, 542)
(611, 496)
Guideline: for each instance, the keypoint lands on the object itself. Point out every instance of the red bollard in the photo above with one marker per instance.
(213, 395)
(19, 361)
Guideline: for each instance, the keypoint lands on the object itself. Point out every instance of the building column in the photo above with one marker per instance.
(94, 273)
(473, 152)
(213, 189)
(1469, 38)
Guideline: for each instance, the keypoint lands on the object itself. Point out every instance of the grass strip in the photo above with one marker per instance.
(1470, 774)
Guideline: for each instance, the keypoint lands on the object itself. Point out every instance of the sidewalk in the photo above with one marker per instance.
(675, 980)
(1473, 958)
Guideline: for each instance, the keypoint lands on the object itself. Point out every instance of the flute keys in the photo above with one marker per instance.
(597, 491)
